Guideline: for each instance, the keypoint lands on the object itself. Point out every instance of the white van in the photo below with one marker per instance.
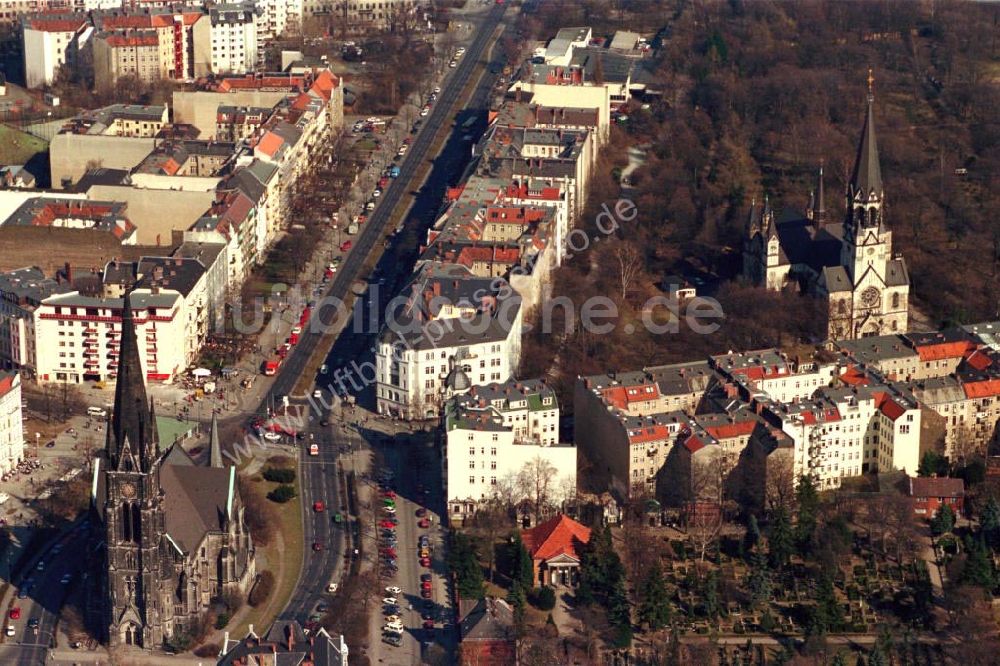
(97, 412)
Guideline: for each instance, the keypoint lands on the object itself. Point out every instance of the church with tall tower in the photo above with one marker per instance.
(849, 264)
(173, 533)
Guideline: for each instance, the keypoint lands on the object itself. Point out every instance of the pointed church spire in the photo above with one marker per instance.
(214, 445)
(132, 419)
(820, 208)
(866, 180)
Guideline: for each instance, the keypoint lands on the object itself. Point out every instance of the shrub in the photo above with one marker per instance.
(222, 620)
(281, 494)
(261, 589)
(543, 598)
(279, 474)
(208, 650)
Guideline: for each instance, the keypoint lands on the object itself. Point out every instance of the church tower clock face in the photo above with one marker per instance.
(128, 490)
(870, 297)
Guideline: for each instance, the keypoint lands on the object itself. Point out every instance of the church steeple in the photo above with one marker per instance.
(820, 208)
(133, 429)
(214, 445)
(866, 179)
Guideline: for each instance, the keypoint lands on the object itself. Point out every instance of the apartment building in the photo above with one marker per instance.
(51, 41)
(81, 335)
(493, 432)
(278, 18)
(172, 30)
(21, 292)
(11, 422)
(450, 318)
(227, 42)
(121, 53)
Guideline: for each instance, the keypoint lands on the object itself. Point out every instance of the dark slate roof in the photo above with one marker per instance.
(195, 500)
(178, 273)
(867, 175)
(803, 243)
(274, 648)
(896, 273)
(490, 619)
(214, 444)
(176, 455)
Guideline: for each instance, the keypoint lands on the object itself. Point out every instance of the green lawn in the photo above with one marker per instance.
(17, 147)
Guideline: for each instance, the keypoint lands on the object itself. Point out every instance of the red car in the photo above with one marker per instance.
(425, 562)
(428, 624)
(424, 523)
(388, 493)
(425, 585)
(317, 546)
(345, 246)
(389, 552)
(388, 524)
(318, 507)
(15, 613)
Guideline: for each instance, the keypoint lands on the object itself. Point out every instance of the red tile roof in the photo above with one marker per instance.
(55, 24)
(557, 536)
(945, 350)
(622, 396)
(931, 486)
(141, 39)
(6, 383)
(888, 406)
(979, 360)
(645, 434)
(727, 430)
(984, 389)
(270, 143)
(853, 376)
(325, 84)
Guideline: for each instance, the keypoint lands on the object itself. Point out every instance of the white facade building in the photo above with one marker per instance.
(846, 432)
(495, 432)
(232, 38)
(51, 41)
(11, 422)
(81, 336)
(450, 319)
(277, 18)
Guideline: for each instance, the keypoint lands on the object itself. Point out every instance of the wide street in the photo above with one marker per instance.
(318, 474)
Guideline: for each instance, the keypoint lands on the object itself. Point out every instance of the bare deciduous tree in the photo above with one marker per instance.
(629, 266)
(537, 477)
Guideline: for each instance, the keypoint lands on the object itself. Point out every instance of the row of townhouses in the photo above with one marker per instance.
(162, 39)
(743, 424)
(454, 344)
(228, 201)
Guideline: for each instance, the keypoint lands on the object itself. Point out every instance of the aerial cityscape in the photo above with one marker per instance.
(499, 332)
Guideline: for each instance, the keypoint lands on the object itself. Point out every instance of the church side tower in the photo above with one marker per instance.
(133, 511)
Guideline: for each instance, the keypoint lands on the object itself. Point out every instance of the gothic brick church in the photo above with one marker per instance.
(849, 264)
(173, 532)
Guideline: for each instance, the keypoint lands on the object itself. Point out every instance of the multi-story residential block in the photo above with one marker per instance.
(122, 53)
(278, 18)
(227, 41)
(450, 318)
(81, 335)
(497, 431)
(51, 41)
(151, 44)
(11, 421)
(21, 292)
